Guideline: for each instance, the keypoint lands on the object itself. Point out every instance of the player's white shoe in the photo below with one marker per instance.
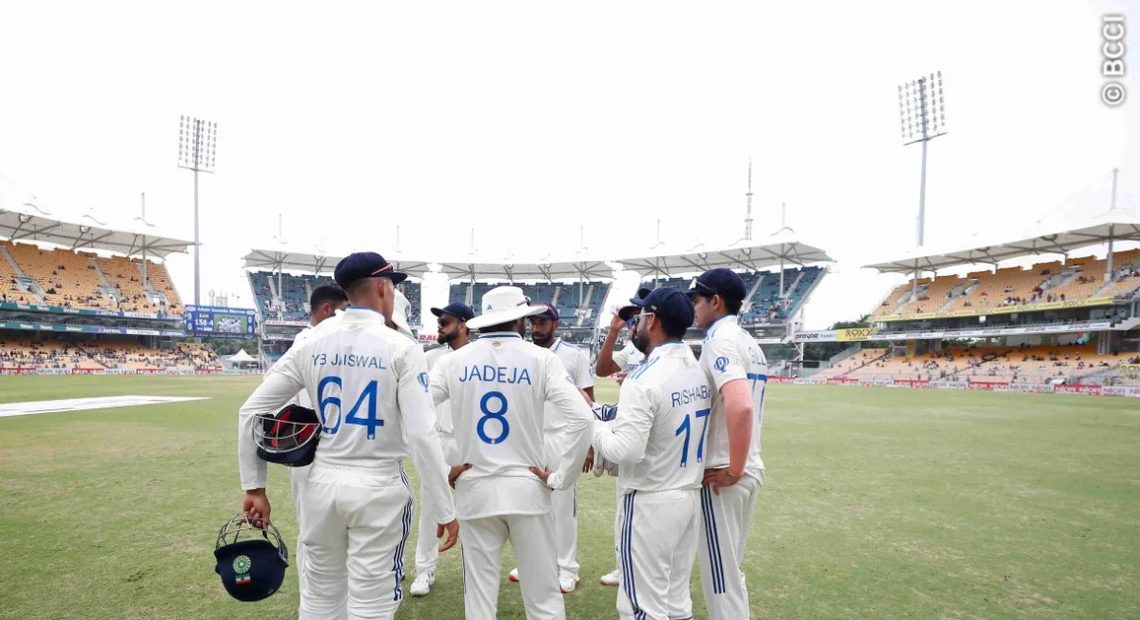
(513, 575)
(422, 584)
(567, 582)
(611, 578)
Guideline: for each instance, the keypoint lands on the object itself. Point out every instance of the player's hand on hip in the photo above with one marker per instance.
(719, 477)
(255, 504)
(620, 377)
(453, 475)
(541, 472)
(452, 529)
(588, 464)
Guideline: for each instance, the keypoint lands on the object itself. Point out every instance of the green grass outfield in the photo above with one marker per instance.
(879, 503)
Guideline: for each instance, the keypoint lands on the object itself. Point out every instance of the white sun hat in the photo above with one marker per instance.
(400, 310)
(504, 304)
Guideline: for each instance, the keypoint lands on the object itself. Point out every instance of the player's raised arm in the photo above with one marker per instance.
(605, 366)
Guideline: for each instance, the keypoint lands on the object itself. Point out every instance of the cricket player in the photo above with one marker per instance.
(658, 442)
(543, 329)
(620, 363)
(454, 335)
(629, 358)
(498, 386)
(734, 472)
(324, 302)
(370, 385)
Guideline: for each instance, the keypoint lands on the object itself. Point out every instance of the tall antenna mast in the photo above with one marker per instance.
(748, 212)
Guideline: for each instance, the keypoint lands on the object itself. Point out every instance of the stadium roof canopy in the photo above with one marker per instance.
(581, 269)
(1110, 227)
(284, 260)
(749, 255)
(19, 225)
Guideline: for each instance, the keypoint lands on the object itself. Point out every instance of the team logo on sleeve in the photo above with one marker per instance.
(423, 379)
(721, 363)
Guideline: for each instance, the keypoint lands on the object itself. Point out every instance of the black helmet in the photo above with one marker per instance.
(290, 437)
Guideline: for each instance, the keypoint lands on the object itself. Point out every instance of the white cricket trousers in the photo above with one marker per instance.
(355, 525)
(532, 537)
(427, 545)
(657, 544)
(564, 506)
(298, 478)
(725, 522)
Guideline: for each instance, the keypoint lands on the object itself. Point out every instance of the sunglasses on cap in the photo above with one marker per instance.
(703, 289)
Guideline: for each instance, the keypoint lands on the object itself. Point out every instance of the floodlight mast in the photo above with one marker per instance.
(922, 115)
(197, 144)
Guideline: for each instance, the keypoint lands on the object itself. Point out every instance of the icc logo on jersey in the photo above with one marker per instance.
(721, 363)
(423, 379)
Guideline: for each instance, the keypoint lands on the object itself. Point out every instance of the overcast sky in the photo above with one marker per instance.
(528, 120)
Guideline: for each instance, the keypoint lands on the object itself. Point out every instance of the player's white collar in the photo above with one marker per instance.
(500, 335)
(728, 319)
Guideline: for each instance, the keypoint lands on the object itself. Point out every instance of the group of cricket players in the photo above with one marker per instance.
(499, 429)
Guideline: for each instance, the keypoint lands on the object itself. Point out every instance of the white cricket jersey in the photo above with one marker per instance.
(442, 410)
(658, 436)
(629, 358)
(302, 397)
(498, 386)
(443, 424)
(577, 365)
(729, 353)
(370, 387)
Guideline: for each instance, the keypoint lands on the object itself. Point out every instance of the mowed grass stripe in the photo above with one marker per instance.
(878, 503)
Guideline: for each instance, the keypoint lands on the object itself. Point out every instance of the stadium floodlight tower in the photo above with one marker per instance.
(197, 143)
(922, 114)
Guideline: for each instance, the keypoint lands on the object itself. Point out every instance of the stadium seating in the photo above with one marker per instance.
(579, 304)
(86, 281)
(1034, 365)
(1075, 279)
(763, 303)
(102, 355)
(291, 301)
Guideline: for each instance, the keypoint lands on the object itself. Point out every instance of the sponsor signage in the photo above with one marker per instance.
(84, 311)
(854, 334)
(824, 335)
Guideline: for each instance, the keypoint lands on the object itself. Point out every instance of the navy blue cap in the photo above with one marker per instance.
(360, 265)
(461, 311)
(550, 312)
(720, 281)
(627, 311)
(671, 306)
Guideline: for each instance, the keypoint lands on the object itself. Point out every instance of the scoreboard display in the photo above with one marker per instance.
(221, 322)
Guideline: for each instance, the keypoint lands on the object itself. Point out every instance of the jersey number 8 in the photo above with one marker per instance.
(500, 416)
